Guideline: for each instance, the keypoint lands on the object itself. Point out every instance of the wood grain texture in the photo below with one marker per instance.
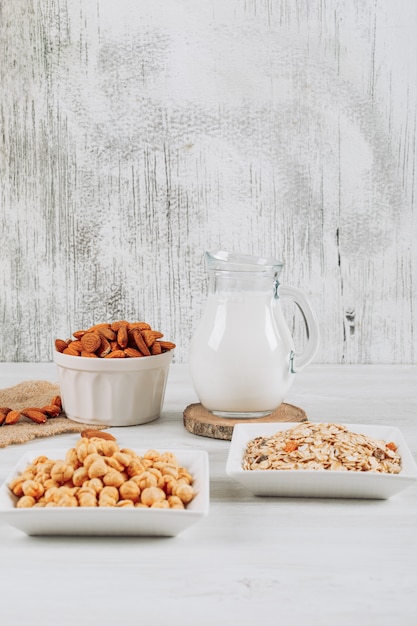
(199, 421)
(136, 135)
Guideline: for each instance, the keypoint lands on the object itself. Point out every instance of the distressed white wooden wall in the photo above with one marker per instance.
(137, 134)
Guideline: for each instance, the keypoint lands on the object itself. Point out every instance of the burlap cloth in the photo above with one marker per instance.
(35, 393)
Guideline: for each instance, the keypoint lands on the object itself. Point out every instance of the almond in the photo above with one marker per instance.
(12, 417)
(122, 336)
(132, 353)
(108, 333)
(156, 348)
(89, 434)
(167, 345)
(60, 345)
(104, 330)
(149, 337)
(57, 400)
(76, 345)
(51, 410)
(104, 348)
(71, 351)
(35, 415)
(140, 342)
(116, 325)
(140, 325)
(115, 354)
(3, 413)
(90, 341)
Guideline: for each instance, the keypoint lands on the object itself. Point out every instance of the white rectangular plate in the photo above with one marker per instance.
(320, 483)
(108, 520)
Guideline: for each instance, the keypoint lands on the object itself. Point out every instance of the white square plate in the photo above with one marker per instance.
(109, 520)
(320, 483)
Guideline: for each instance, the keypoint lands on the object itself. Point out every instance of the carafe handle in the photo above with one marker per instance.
(299, 361)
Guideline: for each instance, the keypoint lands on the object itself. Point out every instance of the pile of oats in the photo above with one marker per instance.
(321, 447)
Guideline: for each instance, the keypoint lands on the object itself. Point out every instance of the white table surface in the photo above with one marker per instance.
(252, 560)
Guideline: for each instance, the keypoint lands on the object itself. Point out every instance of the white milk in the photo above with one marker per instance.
(240, 353)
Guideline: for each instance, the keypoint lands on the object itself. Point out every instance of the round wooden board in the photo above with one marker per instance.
(200, 421)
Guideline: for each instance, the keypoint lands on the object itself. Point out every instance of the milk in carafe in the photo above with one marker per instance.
(242, 358)
(239, 351)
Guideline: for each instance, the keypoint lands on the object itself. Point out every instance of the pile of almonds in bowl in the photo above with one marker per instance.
(116, 340)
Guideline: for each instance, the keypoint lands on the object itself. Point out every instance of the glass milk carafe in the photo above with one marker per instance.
(242, 357)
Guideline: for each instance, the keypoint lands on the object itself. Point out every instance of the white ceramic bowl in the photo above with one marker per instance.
(113, 392)
(109, 520)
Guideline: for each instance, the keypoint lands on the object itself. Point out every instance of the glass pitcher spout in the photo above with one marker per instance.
(242, 270)
(235, 262)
